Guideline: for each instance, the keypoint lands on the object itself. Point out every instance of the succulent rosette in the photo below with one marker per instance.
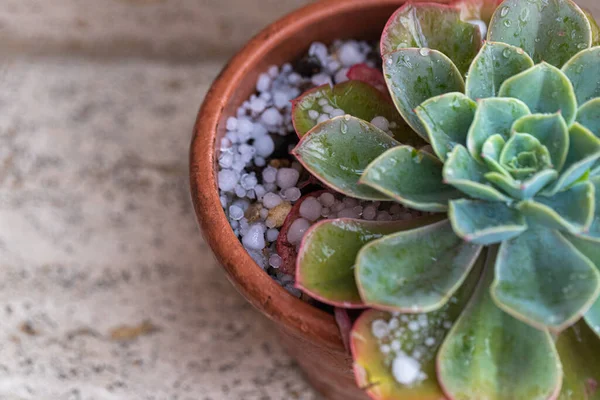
(484, 298)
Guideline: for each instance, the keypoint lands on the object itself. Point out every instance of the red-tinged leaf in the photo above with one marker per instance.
(372, 76)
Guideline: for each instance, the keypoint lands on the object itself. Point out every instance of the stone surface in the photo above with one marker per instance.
(107, 290)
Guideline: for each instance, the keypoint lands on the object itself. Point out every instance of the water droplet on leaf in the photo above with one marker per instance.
(504, 11)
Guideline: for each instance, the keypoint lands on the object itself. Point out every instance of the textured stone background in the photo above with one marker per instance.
(106, 288)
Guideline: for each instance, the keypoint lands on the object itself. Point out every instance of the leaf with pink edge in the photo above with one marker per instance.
(326, 258)
(411, 177)
(551, 31)
(416, 75)
(411, 339)
(414, 271)
(578, 348)
(370, 75)
(490, 355)
(433, 26)
(337, 152)
(355, 98)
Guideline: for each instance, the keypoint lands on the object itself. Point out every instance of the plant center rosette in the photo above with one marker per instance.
(493, 294)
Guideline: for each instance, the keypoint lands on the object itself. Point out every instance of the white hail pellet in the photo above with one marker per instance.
(269, 174)
(297, 230)
(313, 114)
(263, 83)
(272, 235)
(236, 213)
(292, 194)
(287, 177)
(341, 75)
(231, 124)
(327, 199)
(271, 117)
(322, 118)
(310, 209)
(406, 370)
(381, 123)
(337, 113)
(227, 180)
(275, 261)
(264, 146)
(349, 54)
(271, 200)
(254, 239)
(380, 328)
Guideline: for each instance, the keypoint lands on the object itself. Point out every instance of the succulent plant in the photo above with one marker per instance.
(484, 298)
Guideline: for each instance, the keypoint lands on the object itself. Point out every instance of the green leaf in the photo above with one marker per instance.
(594, 230)
(495, 63)
(584, 74)
(591, 250)
(522, 189)
(584, 151)
(490, 152)
(433, 26)
(468, 176)
(578, 349)
(490, 355)
(485, 223)
(414, 271)
(554, 92)
(326, 257)
(571, 210)
(551, 130)
(542, 279)
(411, 177)
(589, 116)
(551, 31)
(355, 98)
(374, 355)
(337, 152)
(415, 75)
(493, 116)
(523, 156)
(447, 119)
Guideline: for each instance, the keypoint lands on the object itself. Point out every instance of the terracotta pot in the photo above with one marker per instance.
(309, 334)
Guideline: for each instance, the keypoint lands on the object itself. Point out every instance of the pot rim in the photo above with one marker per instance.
(249, 279)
